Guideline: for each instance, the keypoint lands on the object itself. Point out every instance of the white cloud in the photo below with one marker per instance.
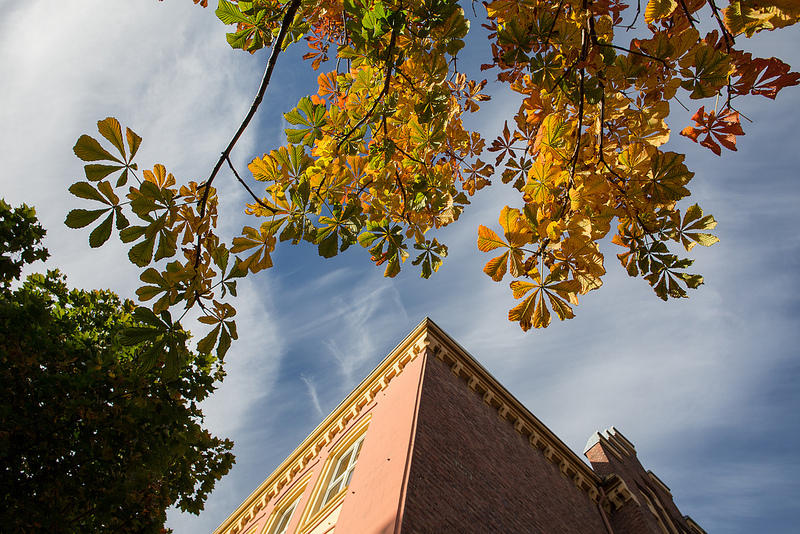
(693, 369)
(312, 394)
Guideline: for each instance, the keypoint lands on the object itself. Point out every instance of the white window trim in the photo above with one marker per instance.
(343, 480)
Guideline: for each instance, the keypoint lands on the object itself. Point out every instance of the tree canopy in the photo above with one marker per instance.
(379, 155)
(96, 436)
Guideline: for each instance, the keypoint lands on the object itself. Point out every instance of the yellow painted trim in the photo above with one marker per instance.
(313, 510)
(287, 500)
(425, 336)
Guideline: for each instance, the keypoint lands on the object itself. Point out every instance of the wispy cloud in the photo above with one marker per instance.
(312, 394)
(698, 386)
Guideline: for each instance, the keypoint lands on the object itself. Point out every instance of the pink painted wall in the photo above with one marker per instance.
(373, 500)
(373, 497)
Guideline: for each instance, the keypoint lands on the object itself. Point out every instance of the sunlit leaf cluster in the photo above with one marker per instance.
(377, 155)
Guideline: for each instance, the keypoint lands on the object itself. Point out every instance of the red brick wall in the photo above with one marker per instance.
(472, 472)
(631, 518)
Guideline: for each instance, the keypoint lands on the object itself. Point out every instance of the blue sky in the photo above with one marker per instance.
(707, 388)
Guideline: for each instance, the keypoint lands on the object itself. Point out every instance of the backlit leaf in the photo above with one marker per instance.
(88, 149)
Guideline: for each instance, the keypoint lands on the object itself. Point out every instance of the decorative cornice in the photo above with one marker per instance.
(405, 352)
(617, 492)
(697, 528)
(426, 335)
(658, 482)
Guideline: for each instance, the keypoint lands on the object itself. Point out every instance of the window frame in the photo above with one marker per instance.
(291, 500)
(277, 518)
(342, 480)
(318, 507)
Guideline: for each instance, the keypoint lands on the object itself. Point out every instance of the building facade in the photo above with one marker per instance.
(430, 442)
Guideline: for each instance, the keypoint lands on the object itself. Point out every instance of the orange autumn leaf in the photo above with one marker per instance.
(718, 130)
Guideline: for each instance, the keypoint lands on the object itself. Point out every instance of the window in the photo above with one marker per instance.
(342, 471)
(281, 524)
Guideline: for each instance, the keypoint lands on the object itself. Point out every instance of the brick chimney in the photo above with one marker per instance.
(636, 499)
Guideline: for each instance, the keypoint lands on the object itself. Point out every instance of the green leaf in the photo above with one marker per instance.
(146, 293)
(224, 344)
(328, 247)
(133, 141)
(88, 149)
(309, 115)
(96, 172)
(365, 239)
(207, 343)
(111, 130)
(232, 329)
(122, 221)
(108, 192)
(146, 315)
(228, 13)
(141, 254)
(80, 218)
(167, 246)
(132, 233)
(134, 335)
(148, 359)
(101, 234)
(123, 178)
(239, 39)
(87, 191)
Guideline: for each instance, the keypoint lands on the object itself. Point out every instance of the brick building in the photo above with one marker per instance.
(430, 442)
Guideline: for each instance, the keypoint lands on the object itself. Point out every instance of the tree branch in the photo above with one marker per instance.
(729, 41)
(663, 61)
(384, 90)
(687, 14)
(247, 187)
(288, 17)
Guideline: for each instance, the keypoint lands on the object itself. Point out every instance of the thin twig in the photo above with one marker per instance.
(686, 12)
(384, 90)
(602, 153)
(609, 45)
(402, 192)
(729, 41)
(635, 17)
(247, 187)
(273, 58)
(576, 154)
(553, 25)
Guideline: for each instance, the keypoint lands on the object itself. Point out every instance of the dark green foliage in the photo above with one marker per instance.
(19, 234)
(91, 440)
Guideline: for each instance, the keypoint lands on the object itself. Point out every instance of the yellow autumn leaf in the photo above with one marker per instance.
(659, 9)
(496, 267)
(515, 227)
(488, 240)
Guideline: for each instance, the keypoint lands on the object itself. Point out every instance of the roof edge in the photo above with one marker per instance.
(426, 335)
(285, 471)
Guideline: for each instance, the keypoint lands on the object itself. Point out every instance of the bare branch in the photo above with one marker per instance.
(686, 12)
(273, 58)
(609, 45)
(729, 41)
(247, 187)
(288, 17)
